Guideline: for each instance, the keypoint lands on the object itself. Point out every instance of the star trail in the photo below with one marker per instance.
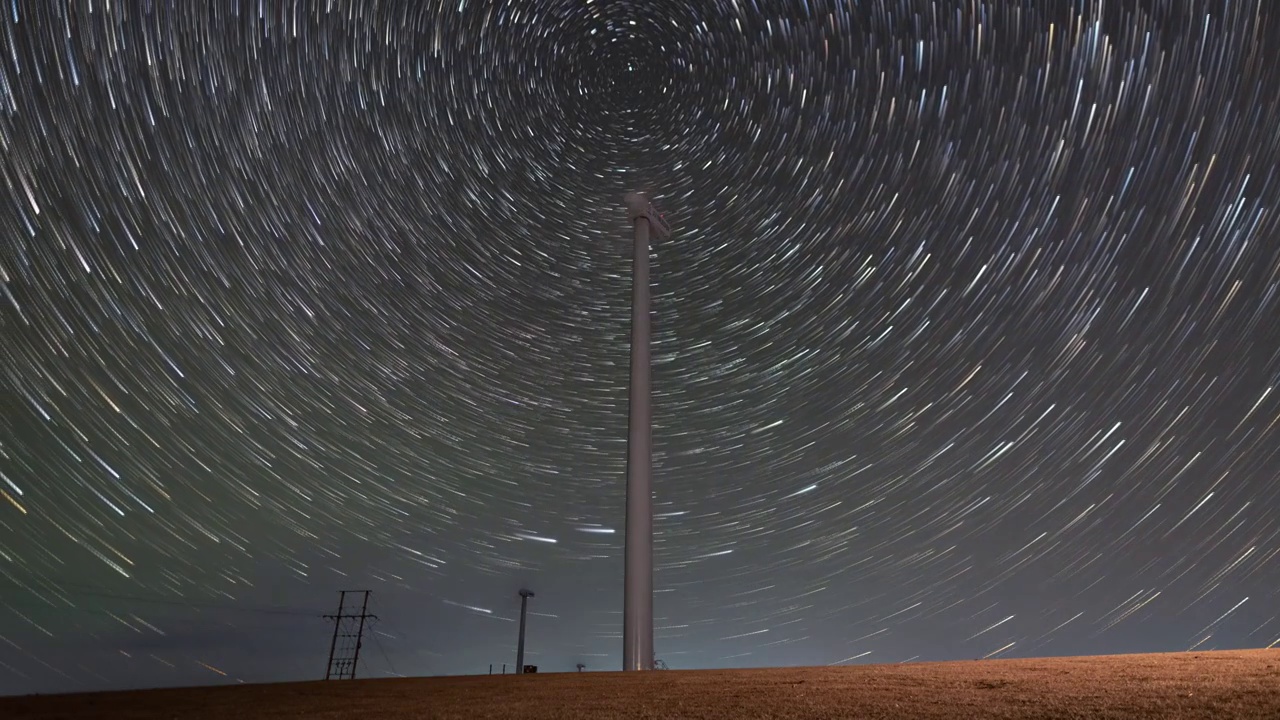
(965, 343)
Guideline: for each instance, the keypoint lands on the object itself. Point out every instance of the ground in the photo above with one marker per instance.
(1219, 685)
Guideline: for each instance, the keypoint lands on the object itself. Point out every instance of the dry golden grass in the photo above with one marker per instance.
(1236, 684)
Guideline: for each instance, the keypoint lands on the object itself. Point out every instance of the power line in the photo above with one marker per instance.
(376, 641)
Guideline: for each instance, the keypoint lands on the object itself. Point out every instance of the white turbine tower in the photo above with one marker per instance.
(637, 603)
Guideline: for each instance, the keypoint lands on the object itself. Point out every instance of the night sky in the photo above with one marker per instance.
(966, 343)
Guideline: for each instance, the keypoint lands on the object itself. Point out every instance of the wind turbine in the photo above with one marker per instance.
(524, 606)
(637, 602)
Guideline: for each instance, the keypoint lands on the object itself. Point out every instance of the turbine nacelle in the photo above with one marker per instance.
(638, 206)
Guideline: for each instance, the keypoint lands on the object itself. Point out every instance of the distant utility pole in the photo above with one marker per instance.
(343, 660)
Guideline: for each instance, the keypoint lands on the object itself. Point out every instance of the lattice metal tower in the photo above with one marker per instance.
(348, 636)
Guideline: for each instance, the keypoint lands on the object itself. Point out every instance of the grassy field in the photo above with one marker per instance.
(1235, 684)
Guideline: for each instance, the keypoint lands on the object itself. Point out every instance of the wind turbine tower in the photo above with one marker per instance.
(637, 602)
(524, 606)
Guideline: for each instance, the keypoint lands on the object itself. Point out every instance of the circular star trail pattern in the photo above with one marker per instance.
(965, 341)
